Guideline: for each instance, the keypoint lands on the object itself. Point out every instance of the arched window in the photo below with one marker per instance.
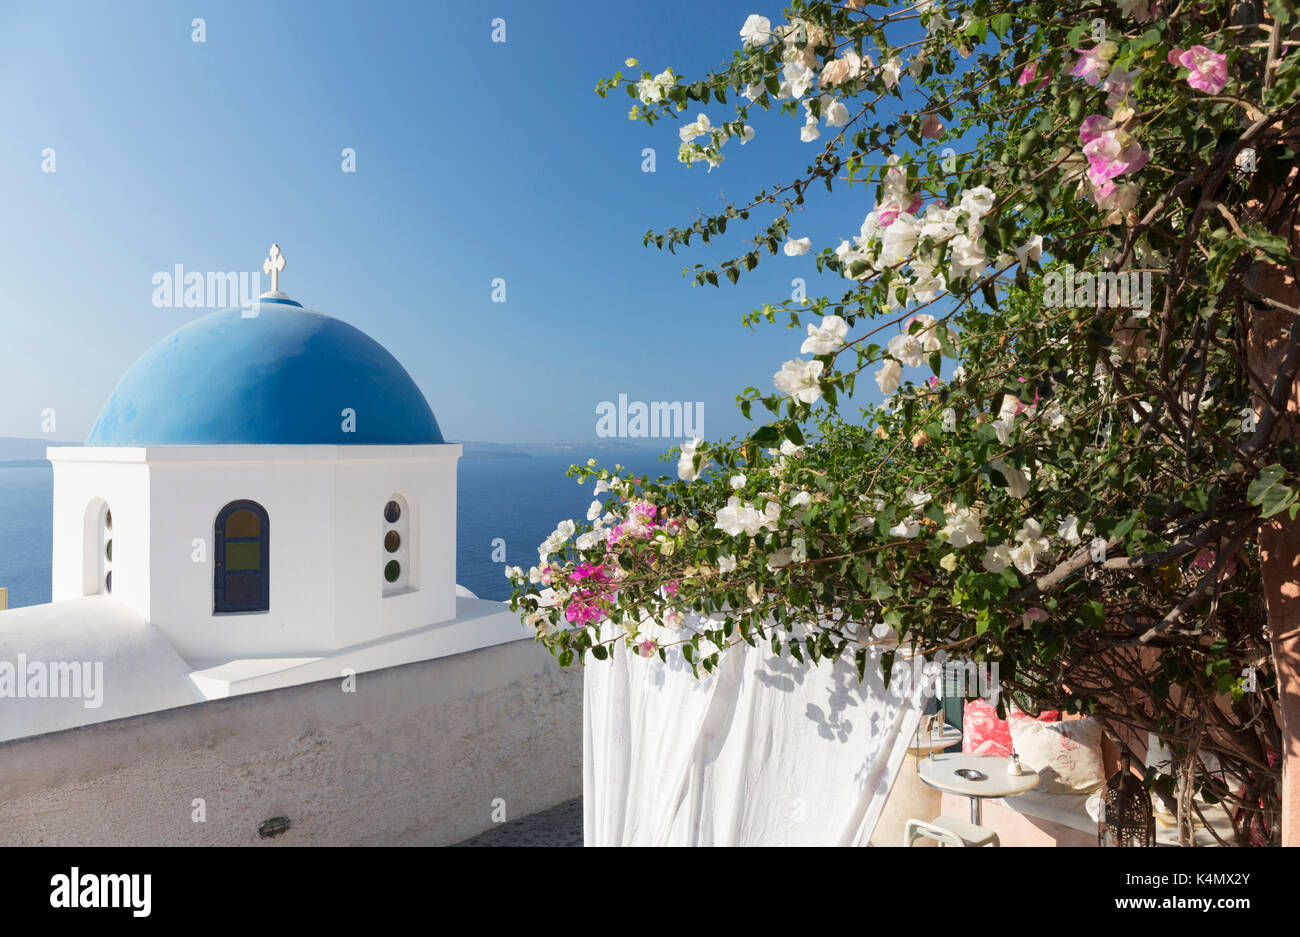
(241, 579)
(397, 553)
(97, 578)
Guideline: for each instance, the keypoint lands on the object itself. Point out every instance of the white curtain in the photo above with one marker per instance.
(765, 751)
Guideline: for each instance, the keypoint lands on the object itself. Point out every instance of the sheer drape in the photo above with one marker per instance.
(765, 751)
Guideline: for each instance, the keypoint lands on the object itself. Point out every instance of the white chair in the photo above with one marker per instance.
(949, 831)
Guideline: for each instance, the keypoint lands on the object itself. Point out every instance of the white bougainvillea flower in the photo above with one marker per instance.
(825, 338)
(948, 420)
(800, 499)
(907, 349)
(907, 528)
(738, 482)
(890, 70)
(948, 561)
(696, 128)
(594, 510)
(978, 201)
(836, 114)
(1068, 530)
(798, 550)
(738, 518)
(810, 131)
(757, 30)
(795, 247)
(1017, 481)
(1030, 250)
(746, 134)
(514, 572)
(997, 558)
(653, 90)
(797, 79)
(800, 379)
(842, 70)
(1031, 544)
(790, 449)
(780, 558)
(686, 470)
(961, 527)
(726, 563)
(887, 378)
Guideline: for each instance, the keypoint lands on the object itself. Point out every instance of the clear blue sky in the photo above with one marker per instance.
(475, 160)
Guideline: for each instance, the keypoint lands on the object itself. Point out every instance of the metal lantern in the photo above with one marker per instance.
(1126, 817)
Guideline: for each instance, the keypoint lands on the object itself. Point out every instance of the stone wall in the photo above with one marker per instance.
(419, 754)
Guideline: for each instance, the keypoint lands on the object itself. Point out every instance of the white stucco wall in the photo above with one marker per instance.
(124, 486)
(325, 510)
(416, 756)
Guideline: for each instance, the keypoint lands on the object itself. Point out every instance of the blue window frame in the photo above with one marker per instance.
(241, 575)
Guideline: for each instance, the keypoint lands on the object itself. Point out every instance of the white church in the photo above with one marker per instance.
(265, 500)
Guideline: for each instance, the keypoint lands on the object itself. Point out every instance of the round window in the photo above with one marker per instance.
(108, 520)
(392, 571)
(108, 582)
(392, 511)
(392, 540)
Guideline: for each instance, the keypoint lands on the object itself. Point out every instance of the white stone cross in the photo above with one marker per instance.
(273, 265)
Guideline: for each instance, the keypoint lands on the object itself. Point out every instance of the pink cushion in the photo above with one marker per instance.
(983, 733)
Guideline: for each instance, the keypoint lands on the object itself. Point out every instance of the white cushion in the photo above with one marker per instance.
(1066, 755)
(1069, 810)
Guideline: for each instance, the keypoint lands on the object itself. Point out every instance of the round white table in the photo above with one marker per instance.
(909, 797)
(939, 772)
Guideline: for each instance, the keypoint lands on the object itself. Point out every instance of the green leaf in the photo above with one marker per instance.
(1267, 492)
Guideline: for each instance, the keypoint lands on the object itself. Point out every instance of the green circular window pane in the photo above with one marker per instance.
(108, 551)
(392, 540)
(392, 511)
(392, 570)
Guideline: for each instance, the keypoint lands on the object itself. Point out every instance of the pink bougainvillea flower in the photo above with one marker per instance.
(1029, 73)
(1094, 64)
(1031, 616)
(1111, 152)
(646, 648)
(1094, 126)
(1205, 560)
(931, 128)
(1209, 70)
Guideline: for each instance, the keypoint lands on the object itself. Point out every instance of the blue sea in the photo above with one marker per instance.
(519, 500)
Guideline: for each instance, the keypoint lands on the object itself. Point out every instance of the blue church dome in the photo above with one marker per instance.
(274, 374)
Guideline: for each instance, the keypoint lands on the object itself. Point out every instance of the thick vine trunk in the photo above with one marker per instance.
(1279, 536)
